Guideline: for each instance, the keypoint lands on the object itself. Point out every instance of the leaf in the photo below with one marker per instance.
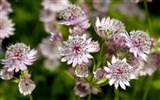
(70, 75)
(156, 84)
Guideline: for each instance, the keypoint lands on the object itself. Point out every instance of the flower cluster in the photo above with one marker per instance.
(17, 57)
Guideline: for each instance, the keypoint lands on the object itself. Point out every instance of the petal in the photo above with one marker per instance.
(122, 85)
(111, 81)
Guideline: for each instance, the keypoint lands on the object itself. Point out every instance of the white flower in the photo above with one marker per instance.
(6, 27)
(119, 72)
(76, 50)
(139, 43)
(82, 70)
(82, 89)
(109, 28)
(5, 8)
(54, 5)
(49, 49)
(5, 75)
(26, 86)
(101, 6)
(47, 16)
(51, 64)
(18, 56)
(99, 74)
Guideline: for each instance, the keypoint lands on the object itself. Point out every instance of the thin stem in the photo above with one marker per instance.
(89, 96)
(147, 87)
(30, 97)
(148, 17)
(116, 93)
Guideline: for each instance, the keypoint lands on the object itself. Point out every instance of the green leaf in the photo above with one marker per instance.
(156, 84)
(70, 75)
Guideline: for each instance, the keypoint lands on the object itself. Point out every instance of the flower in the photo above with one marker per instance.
(54, 5)
(119, 73)
(18, 56)
(47, 16)
(72, 15)
(99, 74)
(109, 28)
(6, 27)
(76, 49)
(51, 64)
(101, 6)
(139, 43)
(82, 70)
(49, 49)
(82, 89)
(5, 75)
(26, 86)
(5, 7)
(150, 66)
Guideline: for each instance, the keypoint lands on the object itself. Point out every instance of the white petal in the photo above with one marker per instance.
(113, 59)
(97, 22)
(106, 69)
(111, 81)
(122, 85)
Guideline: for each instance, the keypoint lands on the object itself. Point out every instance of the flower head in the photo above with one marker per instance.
(26, 86)
(5, 75)
(99, 74)
(139, 43)
(119, 72)
(82, 70)
(6, 27)
(76, 49)
(82, 89)
(18, 56)
(47, 16)
(72, 15)
(109, 28)
(5, 7)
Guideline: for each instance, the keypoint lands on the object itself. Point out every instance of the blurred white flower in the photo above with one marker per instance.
(102, 5)
(18, 56)
(47, 16)
(26, 86)
(76, 50)
(139, 43)
(5, 8)
(82, 89)
(5, 75)
(51, 64)
(54, 5)
(49, 49)
(6, 27)
(119, 72)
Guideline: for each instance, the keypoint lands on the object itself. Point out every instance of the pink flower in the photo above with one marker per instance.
(18, 56)
(5, 75)
(82, 70)
(6, 27)
(99, 74)
(119, 72)
(76, 50)
(5, 8)
(109, 28)
(139, 43)
(72, 15)
(26, 86)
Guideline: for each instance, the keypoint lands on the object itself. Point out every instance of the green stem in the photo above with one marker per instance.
(30, 97)
(148, 17)
(89, 96)
(116, 92)
(147, 87)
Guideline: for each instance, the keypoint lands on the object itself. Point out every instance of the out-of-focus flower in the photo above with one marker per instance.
(6, 27)
(82, 89)
(139, 43)
(102, 5)
(26, 86)
(137, 1)
(130, 9)
(150, 66)
(49, 49)
(18, 56)
(119, 73)
(5, 8)
(109, 28)
(51, 64)
(47, 16)
(99, 74)
(82, 70)
(54, 5)
(76, 49)
(5, 75)
(158, 60)
(72, 15)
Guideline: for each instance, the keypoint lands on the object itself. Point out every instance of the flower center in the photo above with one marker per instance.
(119, 71)
(76, 48)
